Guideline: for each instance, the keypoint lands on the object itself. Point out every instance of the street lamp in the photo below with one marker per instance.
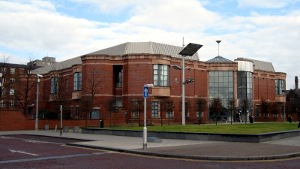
(189, 50)
(37, 102)
(1, 84)
(146, 94)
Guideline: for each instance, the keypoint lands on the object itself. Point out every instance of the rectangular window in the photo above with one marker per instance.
(67, 85)
(11, 103)
(135, 114)
(119, 102)
(154, 109)
(169, 114)
(2, 103)
(12, 70)
(161, 75)
(257, 115)
(11, 92)
(54, 85)
(279, 87)
(12, 80)
(77, 81)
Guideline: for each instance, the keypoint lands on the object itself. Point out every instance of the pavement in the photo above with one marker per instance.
(186, 149)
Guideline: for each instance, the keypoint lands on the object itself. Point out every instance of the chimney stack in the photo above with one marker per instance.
(296, 82)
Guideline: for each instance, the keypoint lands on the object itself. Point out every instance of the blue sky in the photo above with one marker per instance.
(267, 30)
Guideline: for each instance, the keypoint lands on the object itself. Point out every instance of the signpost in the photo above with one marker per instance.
(146, 94)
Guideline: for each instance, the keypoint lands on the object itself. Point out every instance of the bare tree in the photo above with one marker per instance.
(275, 109)
(25, 89)
(92, 84)
(265, 108)
(167, 106)
(245, 105)
(216, 108)
(200, 107)
(135, 106)
(112, 108)
(230, 106)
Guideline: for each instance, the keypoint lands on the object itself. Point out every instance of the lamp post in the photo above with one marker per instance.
(189, 50)
(37, 102)
(146, 94)
(1, 83)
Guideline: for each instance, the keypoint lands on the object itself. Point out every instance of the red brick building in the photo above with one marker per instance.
(108, 85)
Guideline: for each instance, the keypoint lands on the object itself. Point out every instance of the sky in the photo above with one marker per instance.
(267, 30)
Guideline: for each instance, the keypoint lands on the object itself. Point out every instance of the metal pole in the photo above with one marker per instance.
(183, 92)
(145, 126)
(37, 105)
(60, 119)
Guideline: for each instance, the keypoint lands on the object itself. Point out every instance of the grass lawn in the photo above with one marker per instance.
(255, 128)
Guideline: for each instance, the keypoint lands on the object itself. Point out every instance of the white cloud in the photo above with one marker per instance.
(265, 3)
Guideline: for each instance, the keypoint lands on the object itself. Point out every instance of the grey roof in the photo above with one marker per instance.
(58, 66)
(219, 59)
(260, 65)
(120, 50)
(144, 48)
(263, 65)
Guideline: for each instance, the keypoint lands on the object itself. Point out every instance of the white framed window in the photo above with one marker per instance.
(170, 114)
(11, 91)
(155, 109)
(2, 103)
(77, 81)
(12, 70)
(12, 80)
(11, 103)
(161, 75)
(135, 114)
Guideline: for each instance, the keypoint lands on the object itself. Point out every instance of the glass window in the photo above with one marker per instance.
(11, 91)
(221, 85)
(279, 87)
(12, 80)
(77, 81)
(169, 114)
(154, 109)
(12, 70)
(2, 103)
(161, 75)
(54, 85)
(11, 103)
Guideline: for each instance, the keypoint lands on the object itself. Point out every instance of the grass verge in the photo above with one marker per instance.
(255, 128)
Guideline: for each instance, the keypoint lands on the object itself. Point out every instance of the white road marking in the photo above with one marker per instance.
(22, 152)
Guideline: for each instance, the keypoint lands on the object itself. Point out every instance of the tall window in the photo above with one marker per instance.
(221, 86)
(77, 81)
(155, 109)
(279, 87)
(11, 91)
(161, 75)
(54, 85)
(11, 103)
(2, 103)
(12, 70)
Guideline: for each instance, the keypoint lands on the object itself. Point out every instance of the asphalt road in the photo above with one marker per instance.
(22, 151)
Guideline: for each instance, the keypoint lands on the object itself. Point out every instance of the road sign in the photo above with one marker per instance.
(146, 91)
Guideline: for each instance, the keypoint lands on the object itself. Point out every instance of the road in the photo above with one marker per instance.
(23, 151)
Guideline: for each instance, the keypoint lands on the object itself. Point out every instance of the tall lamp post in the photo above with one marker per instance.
(1, 84)
(189, 50)
(146, 94)
(37, 102)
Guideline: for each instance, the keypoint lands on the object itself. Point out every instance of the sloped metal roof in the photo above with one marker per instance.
(260, 65)
(144, 48)
(120, 50)
(219, 59)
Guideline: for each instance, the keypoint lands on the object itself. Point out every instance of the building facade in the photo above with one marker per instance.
(108, 85)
